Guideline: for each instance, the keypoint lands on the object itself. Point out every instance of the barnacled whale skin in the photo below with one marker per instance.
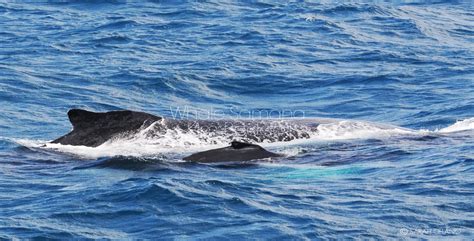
(92, 129)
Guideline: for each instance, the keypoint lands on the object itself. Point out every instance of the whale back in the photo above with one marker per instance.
(93, 129)
(236, 152)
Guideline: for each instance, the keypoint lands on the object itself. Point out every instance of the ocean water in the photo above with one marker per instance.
(397, 79)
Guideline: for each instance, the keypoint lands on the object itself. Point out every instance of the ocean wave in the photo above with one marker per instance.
(116, 39)
(120, 24)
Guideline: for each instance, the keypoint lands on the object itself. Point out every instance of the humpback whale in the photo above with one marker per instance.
(237, 151)
(92, 129)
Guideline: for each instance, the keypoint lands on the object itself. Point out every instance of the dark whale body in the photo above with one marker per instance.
(237, 151)
(95, 128)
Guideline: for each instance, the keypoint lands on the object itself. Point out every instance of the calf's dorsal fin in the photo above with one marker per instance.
(240, 145)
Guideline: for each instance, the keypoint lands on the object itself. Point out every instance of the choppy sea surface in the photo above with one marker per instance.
(398, 78)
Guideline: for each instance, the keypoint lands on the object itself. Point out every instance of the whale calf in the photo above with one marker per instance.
(92, 129)
(237, 151)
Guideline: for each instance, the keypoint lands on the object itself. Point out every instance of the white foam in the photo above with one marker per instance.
(346, 130)
(29, 143)
(309, 17)
(464, 125)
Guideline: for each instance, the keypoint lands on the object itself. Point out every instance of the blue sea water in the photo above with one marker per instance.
(405, 65)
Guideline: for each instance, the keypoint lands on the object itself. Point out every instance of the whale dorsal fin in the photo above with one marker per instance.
(94, 128)
(79, 117)
(83, 119)
(240, 145)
